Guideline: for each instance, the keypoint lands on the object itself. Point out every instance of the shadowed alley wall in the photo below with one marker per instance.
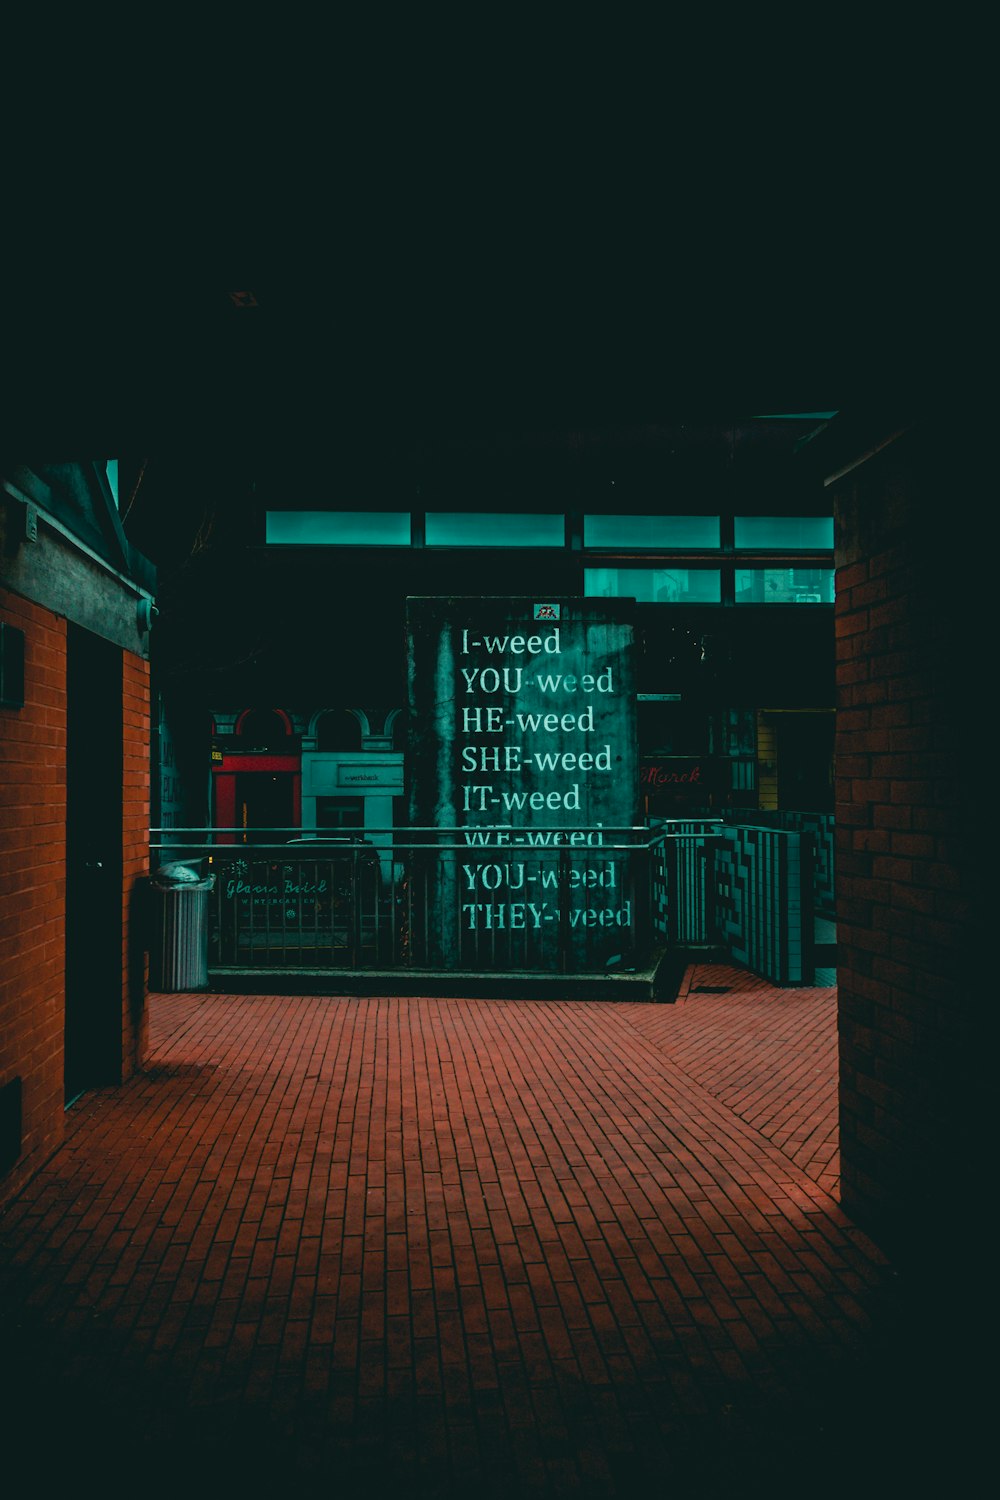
(910, 630)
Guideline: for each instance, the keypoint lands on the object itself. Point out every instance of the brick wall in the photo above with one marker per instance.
(33, 885)
(135, 857)
(911, 795)
(33, 879)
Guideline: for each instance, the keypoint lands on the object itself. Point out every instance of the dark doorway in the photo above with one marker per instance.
(264, 801)
(93, 1030)
(805, 761)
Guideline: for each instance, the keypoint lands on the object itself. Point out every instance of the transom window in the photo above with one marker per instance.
(660, 532)
(338, 528)
(491, 529)
(784, 533)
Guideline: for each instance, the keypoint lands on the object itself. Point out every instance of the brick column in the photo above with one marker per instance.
(913, 798)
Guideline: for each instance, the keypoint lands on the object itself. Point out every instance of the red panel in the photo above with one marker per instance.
(225, 805)
(233, 763)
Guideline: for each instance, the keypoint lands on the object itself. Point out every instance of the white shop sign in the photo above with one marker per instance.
(329, 774)
(370, 777)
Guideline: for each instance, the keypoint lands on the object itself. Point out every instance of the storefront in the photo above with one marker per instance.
(257, 776)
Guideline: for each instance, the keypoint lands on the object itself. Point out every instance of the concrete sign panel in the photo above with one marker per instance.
(523, 741)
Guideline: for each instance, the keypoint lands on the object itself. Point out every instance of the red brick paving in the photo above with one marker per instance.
(769, 1055)
(445, 1247)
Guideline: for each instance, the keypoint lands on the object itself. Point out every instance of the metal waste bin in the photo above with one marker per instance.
(178, 956)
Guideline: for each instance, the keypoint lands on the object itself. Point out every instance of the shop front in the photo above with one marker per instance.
(257, 778)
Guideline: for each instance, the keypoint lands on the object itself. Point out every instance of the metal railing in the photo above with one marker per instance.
(586, 900)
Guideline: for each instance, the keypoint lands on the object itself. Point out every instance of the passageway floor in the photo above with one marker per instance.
(445, 1247)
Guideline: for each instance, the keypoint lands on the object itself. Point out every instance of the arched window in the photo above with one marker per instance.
(338, 730)
(263, 728)
(399, 726)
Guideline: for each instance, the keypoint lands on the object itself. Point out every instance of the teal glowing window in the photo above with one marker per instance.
(785, 533)
(655, 585)
(486, 529)
(784, 585)
(338, 528)
(660, 532)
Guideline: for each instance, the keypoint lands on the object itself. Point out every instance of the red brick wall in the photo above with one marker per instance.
(135, 856)
(33, 878)
(910, 781)
(33, 884)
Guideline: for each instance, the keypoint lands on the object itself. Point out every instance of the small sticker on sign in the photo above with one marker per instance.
(546, 612)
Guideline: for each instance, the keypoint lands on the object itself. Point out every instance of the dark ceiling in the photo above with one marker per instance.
(448, 352)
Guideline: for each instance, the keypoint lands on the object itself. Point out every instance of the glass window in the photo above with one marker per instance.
(784, 585)
(338, 528)
(662, 532)
(805, 533)
(483, 529)
(655, 585)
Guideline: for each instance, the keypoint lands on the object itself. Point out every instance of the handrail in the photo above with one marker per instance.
(302, 851)
(245, 850)
(440, 828)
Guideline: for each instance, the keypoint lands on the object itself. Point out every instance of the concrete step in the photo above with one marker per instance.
(658, 982)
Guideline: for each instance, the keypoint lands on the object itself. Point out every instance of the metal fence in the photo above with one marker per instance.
(684, 884)
(499, 899)
(505, 900)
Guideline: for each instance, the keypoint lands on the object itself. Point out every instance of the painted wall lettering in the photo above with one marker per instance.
(523, 741)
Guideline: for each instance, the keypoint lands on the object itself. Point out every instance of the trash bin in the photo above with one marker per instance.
(178, 957)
